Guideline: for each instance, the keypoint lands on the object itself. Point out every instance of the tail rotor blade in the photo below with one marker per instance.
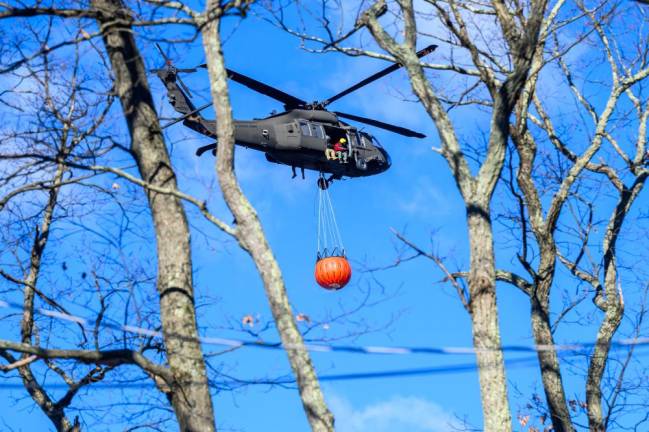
(162, 53)
(170, 66)
(189, 114)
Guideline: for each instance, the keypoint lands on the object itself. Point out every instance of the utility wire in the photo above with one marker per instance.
(582, 347)
(398, 373)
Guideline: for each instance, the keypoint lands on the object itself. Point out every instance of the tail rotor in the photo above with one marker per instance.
(170, 68)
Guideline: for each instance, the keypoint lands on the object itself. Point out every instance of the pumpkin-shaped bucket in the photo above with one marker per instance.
(332, 272)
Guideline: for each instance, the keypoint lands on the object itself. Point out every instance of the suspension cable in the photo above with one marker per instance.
(329, 238)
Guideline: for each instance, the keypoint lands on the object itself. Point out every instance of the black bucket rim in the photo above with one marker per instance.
(335, 252)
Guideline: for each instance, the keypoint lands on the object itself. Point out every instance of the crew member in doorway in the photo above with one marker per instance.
(340, 148)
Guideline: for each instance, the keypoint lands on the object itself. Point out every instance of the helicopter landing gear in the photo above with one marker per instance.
(203, 149)
(295, 174)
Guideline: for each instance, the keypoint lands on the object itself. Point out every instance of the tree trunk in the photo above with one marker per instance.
(251, 237)
(598, 360)
(55, 413)
(549, 365)
(613, 306)
(539, 292)
(484, 314)
(189, 394)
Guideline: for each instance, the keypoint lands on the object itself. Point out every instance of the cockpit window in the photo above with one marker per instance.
(376, 142)
(312, 129)
(355, 139)
(316, 131)
(304, 127)
(365, 140)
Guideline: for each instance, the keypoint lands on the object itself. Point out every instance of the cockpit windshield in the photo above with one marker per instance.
(364, 140)
(376, 142)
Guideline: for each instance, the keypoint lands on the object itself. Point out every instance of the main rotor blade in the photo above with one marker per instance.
(288, 100)
(392, 128)
(429, 49)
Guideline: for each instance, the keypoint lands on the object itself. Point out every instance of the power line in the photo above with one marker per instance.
(398, 373)
(563, 350)
(367, 350)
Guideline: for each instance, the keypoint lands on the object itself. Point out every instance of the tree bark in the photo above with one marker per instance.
(189, 394)
(484, 320)
(548, 359)
(251, 236)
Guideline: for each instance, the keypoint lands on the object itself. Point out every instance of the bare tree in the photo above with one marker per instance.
(185, 380)
(189, 391)
(65, 113)
(627, 73)
(66, 138)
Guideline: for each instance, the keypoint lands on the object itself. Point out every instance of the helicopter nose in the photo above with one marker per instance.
(387, 160)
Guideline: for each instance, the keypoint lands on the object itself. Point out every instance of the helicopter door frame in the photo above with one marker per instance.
(334, 133)
(350, 143)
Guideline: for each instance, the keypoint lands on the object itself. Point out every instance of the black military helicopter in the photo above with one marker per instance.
(305, 135)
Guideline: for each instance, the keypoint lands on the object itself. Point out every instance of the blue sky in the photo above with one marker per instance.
(410, 308)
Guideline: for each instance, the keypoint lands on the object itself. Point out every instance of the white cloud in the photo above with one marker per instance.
(399, 413)
(425, 199)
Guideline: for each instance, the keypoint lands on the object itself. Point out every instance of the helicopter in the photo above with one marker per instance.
(305, 135)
